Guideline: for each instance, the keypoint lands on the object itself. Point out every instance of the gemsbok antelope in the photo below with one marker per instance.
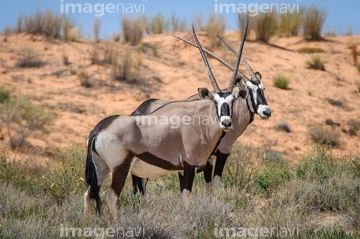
(120, 145)
(243, 115)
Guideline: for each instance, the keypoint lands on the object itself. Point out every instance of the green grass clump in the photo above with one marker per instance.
(316, 63)
(4, 95)
(281, 82)
(310, 50)
(313, 22)
(156, 25)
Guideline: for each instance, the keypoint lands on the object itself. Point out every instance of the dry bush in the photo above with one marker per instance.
(20, 118)
(122, 66)
(84, 78)
(96, 29)
(282, 126)
(29, 58)
(315, 63)
(313, 22)
(265, 26)
(325, 135)
(133, 29)
(177, 24)
(215, 26)
(289, 24)
(156, 24)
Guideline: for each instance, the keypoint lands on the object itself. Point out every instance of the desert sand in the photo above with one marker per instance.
(166, 68)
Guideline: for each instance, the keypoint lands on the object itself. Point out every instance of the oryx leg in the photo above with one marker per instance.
(219, 167)
(118, 178)
(208, 174)
(186, 183)
(102, 171)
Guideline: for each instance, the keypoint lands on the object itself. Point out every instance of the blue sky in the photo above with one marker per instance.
(341, 14)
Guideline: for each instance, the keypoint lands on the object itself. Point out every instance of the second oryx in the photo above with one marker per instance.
(243, 115)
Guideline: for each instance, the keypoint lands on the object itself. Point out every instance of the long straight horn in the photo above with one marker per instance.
(210, 73)
(235, 72)
(247, 66)
(217, 57)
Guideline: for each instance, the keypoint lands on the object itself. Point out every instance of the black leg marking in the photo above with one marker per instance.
(208, 171)
(181, 178)
(139, 184)
(189, 174)
(120, 173)
(220, 163)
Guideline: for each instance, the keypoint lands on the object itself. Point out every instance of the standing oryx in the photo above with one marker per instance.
(243, 115)
(115, 141)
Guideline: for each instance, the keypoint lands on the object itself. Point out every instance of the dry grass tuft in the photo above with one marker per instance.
(313, 22)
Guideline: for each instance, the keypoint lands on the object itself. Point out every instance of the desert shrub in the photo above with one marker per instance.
(336, 102)
(272, 176)
(44, 23)
(325, 135)
(265, 26)
(157, 24)
(4, 94)
(20, 118)
(241, 168)
(289, 23)
(354, 126)
(282, 126)
(313, 21)
(214, 26)
(64, 176)
(310, 50)
(84, 78)
(177, 24)
(358, 69)
(122, 66)
(132, 29)
(29, 58)
(315, 63)
(281, 81)
(96, 29)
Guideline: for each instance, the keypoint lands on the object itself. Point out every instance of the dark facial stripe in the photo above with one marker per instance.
(261, 97)
(158, 162)
(225, 110)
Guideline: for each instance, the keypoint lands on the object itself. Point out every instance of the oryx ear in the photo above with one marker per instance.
(204, 93)
(241, 94)
(258, 75)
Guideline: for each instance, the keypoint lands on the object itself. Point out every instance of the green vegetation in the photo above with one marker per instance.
(316, 63)
(282, 126)
(310, 50)
(20, 118)
(39, 203)
(281, 82)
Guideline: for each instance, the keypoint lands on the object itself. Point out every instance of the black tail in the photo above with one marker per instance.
(91, 176)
